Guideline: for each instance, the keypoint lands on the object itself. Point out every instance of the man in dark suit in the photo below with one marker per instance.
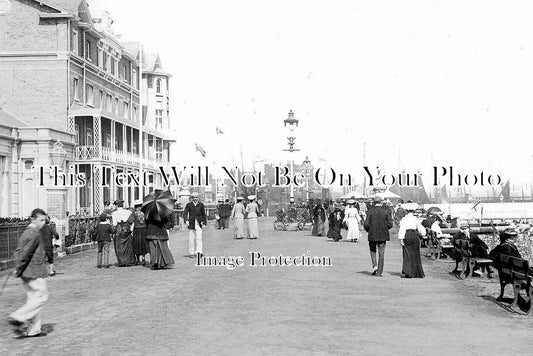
(377, 224)
(195, 217)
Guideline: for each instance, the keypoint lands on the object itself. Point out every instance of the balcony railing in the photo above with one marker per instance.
(89, 153)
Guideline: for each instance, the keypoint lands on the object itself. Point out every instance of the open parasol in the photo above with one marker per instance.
(158, 205)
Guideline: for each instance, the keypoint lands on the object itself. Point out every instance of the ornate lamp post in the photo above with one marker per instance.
(58, 154)
(291, 124)
(307, 164)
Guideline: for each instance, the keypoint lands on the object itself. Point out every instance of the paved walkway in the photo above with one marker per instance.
(261, 310)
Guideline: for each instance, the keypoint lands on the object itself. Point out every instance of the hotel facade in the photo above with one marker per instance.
(73, 95)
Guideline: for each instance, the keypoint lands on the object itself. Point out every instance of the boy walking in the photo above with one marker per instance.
(105, 230)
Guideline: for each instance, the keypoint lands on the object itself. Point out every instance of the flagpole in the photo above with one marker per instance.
(141, 143)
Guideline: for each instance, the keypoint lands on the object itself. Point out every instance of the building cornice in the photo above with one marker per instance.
(90, 29)
(163, 74)
(29, 55)
(66, 16)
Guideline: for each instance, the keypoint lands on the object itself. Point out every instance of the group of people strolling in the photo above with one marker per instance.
(377, 221)
(134, 237)
(338, 217)
(245, 218)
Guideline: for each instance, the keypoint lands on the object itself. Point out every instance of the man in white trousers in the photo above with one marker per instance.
(195, 217)
(31, 268)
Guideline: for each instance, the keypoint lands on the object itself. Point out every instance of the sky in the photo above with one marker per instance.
(406, 84)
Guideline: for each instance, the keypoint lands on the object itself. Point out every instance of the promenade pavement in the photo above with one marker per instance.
(340, 309)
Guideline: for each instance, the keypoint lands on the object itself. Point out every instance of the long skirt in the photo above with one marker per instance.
(353, 229)
(140, 244)
(124, 250)
(253, 230)
(318, 227)
(412, 264)
(239, 228)
(334, 231)
(160, 253)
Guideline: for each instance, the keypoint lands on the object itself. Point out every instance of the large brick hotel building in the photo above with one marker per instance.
(65, 77)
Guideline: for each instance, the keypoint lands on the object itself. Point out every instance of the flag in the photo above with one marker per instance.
(199, 149)
(219, 131)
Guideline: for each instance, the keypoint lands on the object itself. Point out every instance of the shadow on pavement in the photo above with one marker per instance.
(505, 304)
(367, 273)
(48, 328)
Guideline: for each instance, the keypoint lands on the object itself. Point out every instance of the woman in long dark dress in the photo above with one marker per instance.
(157, 236)
(319, 219)
(335, 222)
(409, 233)
(140, 245)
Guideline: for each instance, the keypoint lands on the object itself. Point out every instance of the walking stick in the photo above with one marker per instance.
(5, 282)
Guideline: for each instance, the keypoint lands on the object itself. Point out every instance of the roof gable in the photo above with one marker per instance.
(10, 121)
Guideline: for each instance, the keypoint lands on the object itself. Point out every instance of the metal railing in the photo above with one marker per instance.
(81, 230)
(89, 153)
(10, 234)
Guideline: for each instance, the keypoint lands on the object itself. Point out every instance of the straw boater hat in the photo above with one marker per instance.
(240, 198)
(508, 234)
(194, 195)
(350, 201)
(251, 197)
(137, 203)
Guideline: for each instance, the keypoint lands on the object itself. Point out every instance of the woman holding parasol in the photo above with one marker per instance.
(158, 207)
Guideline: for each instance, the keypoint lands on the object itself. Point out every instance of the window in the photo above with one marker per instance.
(76, 89)
(135, 78)
(135, 114)
(134, 148)
(88, 50)
(77, 136)
(109, 103)
(89, 96)
(159, 119)
(90, 140)
(116, 106)
(74, 42)
(107, 140)
(105, 61)
(101, 98)
(158, 86)
(28, 164)
(125, 72)
(126, 110)
(100, 59)
(113, 65)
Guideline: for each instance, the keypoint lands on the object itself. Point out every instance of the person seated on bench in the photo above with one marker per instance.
(478, 248)
(507, 245)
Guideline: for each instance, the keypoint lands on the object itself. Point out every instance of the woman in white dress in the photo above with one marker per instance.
(237, 215)
(252, 212)
(352, 219)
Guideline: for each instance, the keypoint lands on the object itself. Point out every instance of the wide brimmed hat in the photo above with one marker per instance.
(377, 198)
(350, 201)
(410, 206)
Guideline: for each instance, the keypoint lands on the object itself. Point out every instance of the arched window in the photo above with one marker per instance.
(158, 86)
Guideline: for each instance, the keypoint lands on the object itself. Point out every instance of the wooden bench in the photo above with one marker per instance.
(469, 263)
(435, 246)
(515, 271)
